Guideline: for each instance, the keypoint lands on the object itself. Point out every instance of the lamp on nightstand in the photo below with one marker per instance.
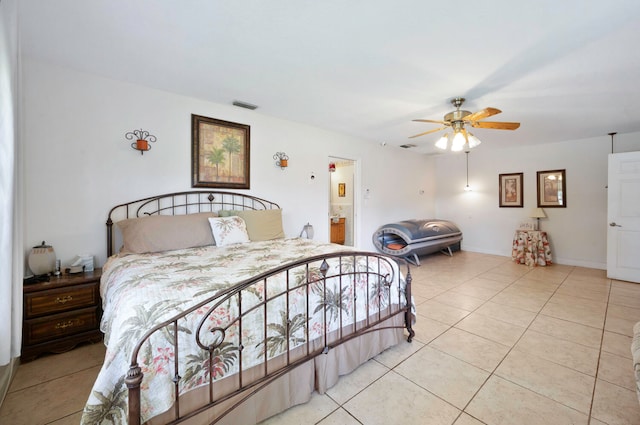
(307, 231)
(42, 259)
(537, 213)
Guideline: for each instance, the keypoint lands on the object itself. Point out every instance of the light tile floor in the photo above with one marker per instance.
(496, 343)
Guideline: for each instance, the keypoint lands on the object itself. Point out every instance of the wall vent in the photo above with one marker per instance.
(244, 105)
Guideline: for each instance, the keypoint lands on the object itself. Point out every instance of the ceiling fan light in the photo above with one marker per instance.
(443, 142)
(457, 144)
(473, 141)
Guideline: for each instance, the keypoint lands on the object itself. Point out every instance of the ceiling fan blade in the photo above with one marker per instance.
(484, 113)
(496, 125)
(434, 121)
(427, 132)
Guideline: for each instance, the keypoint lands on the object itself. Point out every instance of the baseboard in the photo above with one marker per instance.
(580, 263)
(482, 250)
(6, 374)
(563, 261)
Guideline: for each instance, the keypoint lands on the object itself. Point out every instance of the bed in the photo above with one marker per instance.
(211, 315)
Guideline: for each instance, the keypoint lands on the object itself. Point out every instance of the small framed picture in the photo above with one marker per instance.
(510, 190)
(341, 190)
(552, 189)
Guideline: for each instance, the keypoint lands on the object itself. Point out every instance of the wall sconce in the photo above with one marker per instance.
(142, 139)
(332, 167)
(307, 231)
(282, 160)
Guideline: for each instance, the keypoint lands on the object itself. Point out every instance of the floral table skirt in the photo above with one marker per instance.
(531, 248)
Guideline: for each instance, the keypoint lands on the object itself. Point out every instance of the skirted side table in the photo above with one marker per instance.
(531, 247)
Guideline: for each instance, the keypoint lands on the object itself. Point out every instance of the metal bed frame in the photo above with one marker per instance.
(304, 275)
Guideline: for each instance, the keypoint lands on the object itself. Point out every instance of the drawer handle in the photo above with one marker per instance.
(64, 299)
(65, 325)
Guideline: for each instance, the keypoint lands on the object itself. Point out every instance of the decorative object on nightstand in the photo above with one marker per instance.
(42, 259)
(81, 263)
(61, 313)
(537, 213)
(142, 139)
(527, 224)
(307, 231)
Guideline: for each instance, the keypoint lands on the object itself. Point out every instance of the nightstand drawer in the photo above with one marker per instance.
(59, 325)
(59, 300)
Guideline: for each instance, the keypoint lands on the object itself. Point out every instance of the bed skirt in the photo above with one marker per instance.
(296, 387)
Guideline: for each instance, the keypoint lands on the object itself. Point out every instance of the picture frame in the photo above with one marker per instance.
(342, 190)
(552, 189)
(220, 153)
(510, 190)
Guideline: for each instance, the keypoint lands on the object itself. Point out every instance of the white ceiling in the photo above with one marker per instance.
(565, 69)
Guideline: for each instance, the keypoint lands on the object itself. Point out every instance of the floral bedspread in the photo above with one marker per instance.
(141, 290)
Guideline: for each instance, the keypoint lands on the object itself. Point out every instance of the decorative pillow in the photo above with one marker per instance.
(158, 233)
(228, 230)
(263, 225)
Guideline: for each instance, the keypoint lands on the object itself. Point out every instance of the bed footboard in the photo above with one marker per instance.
(245, 337)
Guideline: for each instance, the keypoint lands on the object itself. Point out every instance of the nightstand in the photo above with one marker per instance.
(61, 313)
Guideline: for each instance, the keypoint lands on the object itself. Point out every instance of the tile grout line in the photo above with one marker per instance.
(514, 345)
(414, 353)
(490, 373)
(39, 383)
(595, 382)
(463, 410)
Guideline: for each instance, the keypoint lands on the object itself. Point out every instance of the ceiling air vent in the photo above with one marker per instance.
(408, 145)
(244, 105)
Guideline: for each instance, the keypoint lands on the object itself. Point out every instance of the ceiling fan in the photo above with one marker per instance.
(461, 138)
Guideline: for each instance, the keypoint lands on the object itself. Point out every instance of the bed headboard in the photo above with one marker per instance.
(181, 203)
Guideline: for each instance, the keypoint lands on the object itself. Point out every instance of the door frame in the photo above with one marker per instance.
(356, 191)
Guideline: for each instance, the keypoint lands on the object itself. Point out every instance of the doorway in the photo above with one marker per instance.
(342, 184)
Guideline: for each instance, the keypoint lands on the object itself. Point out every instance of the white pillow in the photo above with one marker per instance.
(228, 230)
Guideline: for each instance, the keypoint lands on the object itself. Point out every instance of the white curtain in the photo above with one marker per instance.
(11, 230)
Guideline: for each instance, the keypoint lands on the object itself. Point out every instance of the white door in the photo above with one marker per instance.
(623, 231)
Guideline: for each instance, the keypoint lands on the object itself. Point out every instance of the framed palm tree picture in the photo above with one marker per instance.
(219, 153)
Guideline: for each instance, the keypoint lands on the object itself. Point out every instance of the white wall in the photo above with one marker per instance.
(79, 165)
(577, 233)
